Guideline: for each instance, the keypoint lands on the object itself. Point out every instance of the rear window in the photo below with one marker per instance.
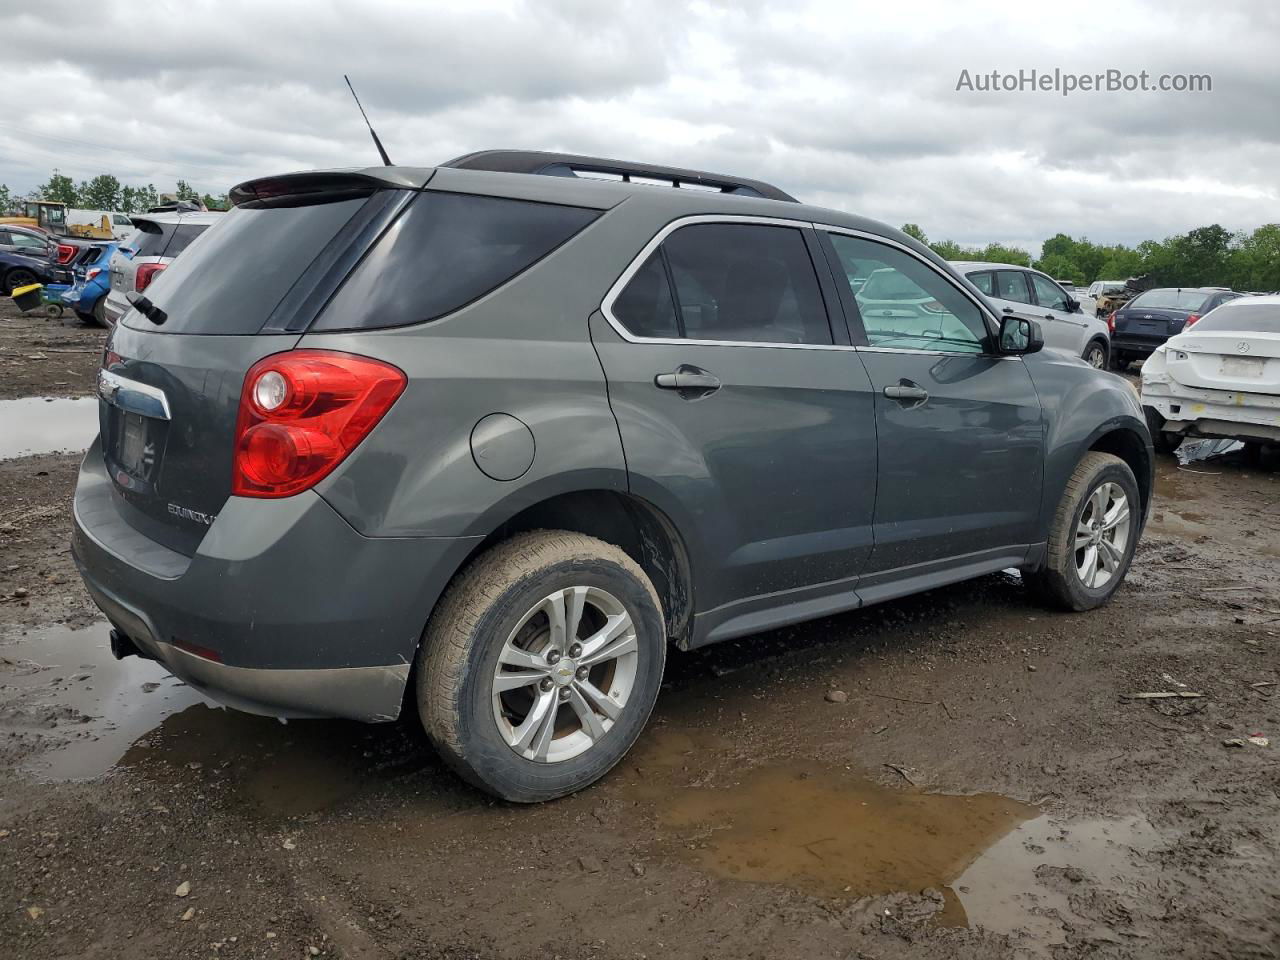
(231, 281)
(447, 250)
(1170, 299)
(1241, 317)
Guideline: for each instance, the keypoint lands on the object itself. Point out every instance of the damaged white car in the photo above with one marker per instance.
(1220, 377)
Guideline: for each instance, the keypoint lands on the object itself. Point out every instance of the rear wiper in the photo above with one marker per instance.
(148, 309)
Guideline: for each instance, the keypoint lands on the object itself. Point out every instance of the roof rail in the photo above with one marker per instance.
(573, 165)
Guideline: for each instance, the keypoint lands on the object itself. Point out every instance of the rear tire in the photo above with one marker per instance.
(1119, 361)
(1095, 354)
(100, 313)
(1092, 537)
(1165, 441)
(493, 691)
(18, 277)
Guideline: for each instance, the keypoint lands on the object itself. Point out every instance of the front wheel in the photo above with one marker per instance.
(541, 665)
(1093, 535)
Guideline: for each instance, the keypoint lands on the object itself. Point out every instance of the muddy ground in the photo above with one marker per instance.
(982, 789)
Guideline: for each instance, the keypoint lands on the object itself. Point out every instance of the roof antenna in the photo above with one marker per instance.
(376, 142)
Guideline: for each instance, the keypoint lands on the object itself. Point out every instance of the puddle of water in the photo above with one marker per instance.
(67, 681)
(34, 425)
(999, 863)
(102, 714)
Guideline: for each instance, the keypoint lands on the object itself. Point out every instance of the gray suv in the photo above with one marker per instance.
(485, 438)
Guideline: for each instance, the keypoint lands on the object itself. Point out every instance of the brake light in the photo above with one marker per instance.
(1191, 320)
(65, 252)
(1111, 322)
(301, 413)
(146, 273)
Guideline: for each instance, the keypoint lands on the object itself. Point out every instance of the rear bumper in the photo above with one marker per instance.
(1214, 413)
(283, 610)
(1130, 344)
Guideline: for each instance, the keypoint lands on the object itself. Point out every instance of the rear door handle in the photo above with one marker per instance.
(1006, 309)
(688, 378)
(907, 392)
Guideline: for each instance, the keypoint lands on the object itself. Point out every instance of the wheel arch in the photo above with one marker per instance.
(1129, 444)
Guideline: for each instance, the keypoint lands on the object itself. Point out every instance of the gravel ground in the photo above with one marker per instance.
(955, 775)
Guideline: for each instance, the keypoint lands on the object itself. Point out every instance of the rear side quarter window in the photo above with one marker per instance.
(446, 251)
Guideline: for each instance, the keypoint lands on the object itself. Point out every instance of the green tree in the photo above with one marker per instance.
(185, 191)
(219, 202)
(913, 230)
(60, 188)
(101, 193)
(6, 199)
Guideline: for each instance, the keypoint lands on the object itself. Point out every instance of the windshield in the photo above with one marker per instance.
(1170, 299)
(1240, 317)
(890, 285)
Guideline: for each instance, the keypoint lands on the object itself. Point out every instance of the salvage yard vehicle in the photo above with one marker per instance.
(98, 224)
(1152, 317)
(156, 240)
(1221, 378)
(1021, 292)
(21, 270)
(90, 283)
(506, 431)
(49, 216)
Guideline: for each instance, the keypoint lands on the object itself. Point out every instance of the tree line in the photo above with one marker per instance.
(106, 192)
(1209, 256)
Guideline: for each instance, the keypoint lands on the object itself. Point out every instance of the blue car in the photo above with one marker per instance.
(92, 280)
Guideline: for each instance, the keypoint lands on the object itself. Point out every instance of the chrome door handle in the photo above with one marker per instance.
(686, 377)
(909, 392)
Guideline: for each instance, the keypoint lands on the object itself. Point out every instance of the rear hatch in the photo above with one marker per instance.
(154, 241)
(1246, 362)
(175, 365)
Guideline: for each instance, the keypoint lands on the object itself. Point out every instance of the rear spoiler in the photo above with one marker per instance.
(574, 165)
(295, 189)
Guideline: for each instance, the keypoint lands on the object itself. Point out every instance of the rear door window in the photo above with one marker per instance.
(230, 282)
(746, 283)
(1012, 285)
(983, 281)
(446, 251)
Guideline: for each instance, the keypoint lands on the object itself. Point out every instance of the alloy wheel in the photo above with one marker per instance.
(565, 674)
(1102, 535)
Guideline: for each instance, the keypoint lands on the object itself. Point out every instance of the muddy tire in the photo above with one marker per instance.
(1163, 440)
(541, 665)
(1092, 537)
(100, 313)
(18, 277)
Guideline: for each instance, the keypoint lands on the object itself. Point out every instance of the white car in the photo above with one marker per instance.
(1220, 377)
(1022, 292)
(156, 240)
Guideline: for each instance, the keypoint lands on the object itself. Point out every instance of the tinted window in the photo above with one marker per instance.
(741, 282)
(151, 238)
(645, 306)
(1012, 285)
(120, 220)
(983, 281)
(925, 311)
(447, 250)
(1048, 294)
(231, 281)
(1170, 299)
(183, 237)
(1241, 317)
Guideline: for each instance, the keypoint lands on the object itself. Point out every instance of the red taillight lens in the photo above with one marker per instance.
(65, 252)
(146, 273)
(1191, 320)
(1111, 322)
(301, 413)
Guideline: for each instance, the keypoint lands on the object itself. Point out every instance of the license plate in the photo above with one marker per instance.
(1242, 367)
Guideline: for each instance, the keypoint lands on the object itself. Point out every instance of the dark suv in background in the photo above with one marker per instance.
(507, 430)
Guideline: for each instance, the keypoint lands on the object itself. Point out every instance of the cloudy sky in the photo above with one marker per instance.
(851, 105)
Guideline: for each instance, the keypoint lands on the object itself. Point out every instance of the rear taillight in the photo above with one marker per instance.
(146, 273)
(1191, 320)
(65, 253)
(1111, 322)
(301, 413)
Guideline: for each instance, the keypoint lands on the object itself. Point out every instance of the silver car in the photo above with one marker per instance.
(156, 240)
(1021, 292)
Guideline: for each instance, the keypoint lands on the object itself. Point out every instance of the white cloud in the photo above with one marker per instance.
(849, 105)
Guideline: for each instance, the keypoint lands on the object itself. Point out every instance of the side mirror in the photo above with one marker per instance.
(1020, 336)
(1073, 306)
